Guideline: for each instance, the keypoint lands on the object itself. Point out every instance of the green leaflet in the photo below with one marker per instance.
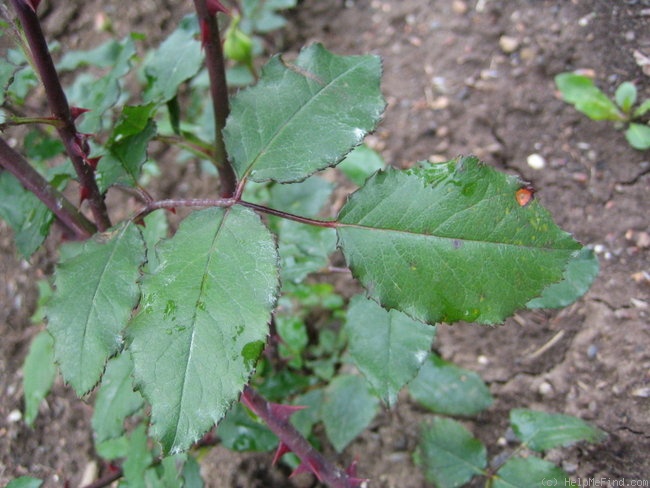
(348, 408)
(450, 242)
(388, 347)
(448, 454)
(100, 94)
(303, 117)
(95, 292)
(445, 388)
(126, 150)
(542, 431)
(203, 320)
(25, 213)
(39, 372)
(116, 399)
(580, 91)
(177, 59)
(578, 277)
(530, 471)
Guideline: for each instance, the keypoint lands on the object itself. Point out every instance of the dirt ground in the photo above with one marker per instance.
(461, 77)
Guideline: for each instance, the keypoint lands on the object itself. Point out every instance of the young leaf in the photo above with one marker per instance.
(360, 164)
(164, 474)
(580, 91)
(450, 242)
(39, 372)
(155, 229)
(303, 117)
(303, 248)
(239, 431)
(306, 198)
(261, 16)
(203, 320)
(29, 218)
(448, 454)
(115, 448)
(116, 399)
(578, 277)
(138, 457)
(95, 293)
(530, 471)
(642, 109)
(388, 347)
(100, 94)
(176, 61)
(348, 407)
(305, 419)
(625, 96)
(445, 388)
(127, 147)
(103, 56)
(542, 431)
(25, 482)
(192, 473)
(638, 135)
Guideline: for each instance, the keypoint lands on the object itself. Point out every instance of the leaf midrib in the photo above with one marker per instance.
(210, 255)
(99, 280)
(282, 127)
(461, 239)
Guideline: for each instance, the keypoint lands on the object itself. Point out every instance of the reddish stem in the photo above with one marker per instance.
(74, 142)
(295, 442)
(71, 219)
(289, 216)
(214, 61)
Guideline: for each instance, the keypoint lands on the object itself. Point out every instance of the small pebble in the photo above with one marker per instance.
(536, 161)
(14, 416)
(570, 468)
(508, 44)
(642, 392)
(459, 7)
(599, 248)
(545, 388)
(592, 351)
(643, 240)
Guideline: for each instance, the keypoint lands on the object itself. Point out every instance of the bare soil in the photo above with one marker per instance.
(461, 77)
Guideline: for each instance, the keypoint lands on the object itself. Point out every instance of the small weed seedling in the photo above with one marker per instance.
(579, 90)
(220, 330)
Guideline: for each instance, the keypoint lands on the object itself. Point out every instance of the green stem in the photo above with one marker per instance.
(14, 121)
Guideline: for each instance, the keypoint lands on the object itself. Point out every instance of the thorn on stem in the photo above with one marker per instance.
(215, 6)
(84, 193)
(284, 411)
(75, 112)
(307, 467)
(92, 162)
(281, 451)
(33, 4)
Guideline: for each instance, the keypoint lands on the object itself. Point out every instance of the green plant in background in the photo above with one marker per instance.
(580, 91)
(227, 321)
